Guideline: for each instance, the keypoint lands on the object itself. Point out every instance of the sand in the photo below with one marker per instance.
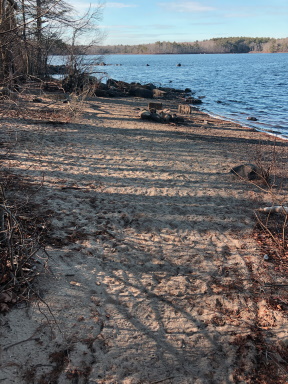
(153, 274)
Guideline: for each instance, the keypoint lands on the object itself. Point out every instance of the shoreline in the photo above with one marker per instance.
(277, 123)
(275, 133)
(154, 271)
(268, 132)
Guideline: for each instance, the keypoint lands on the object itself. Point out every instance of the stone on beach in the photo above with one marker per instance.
(141, 92)
(158, 93)
(145, 115)
(247, 171)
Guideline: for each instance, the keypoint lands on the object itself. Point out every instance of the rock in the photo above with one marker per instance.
(122, 89)
(156, 117)
(193, 100)
(158, 93)
(114, 83)
(150, 86)
(178, 119)
(252, 118)
(101, 93)
(145, 115)
(157, 106)
(247, 171)
(105, 86)
(141, 92)
(185, 109)
(179, 65)
(37, 100)
(167, 118)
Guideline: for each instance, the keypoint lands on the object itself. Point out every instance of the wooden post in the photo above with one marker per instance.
(185, 109)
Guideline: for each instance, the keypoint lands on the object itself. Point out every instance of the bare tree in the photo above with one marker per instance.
(7, 34)
(40, 20)
(82, 30)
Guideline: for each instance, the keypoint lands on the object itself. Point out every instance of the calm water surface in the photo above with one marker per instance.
(234, 86)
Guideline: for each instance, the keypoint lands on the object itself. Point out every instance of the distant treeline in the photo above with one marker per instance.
(216, 45)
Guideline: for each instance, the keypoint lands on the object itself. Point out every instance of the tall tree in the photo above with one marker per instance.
(7, 36)
(41, 20)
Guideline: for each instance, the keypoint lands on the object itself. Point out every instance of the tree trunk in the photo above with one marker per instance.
(39, 66)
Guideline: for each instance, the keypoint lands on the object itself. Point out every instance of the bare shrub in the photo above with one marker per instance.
(20, 242)
(271, 223)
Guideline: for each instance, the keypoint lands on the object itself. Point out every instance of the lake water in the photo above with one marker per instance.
(233, 86)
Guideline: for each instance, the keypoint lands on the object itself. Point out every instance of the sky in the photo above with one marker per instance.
(147, 21)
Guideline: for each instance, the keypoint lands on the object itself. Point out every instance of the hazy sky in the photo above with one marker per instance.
(148, 21)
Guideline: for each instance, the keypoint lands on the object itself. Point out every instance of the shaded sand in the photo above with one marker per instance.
(154, 276)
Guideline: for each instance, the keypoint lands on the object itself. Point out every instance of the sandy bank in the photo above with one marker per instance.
(154, 275)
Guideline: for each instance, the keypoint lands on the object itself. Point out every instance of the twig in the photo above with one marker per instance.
(268, 230)
(32, 337)
(47, 305)
(22, 341)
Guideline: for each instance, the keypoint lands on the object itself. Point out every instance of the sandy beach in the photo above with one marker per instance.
(151, 271)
